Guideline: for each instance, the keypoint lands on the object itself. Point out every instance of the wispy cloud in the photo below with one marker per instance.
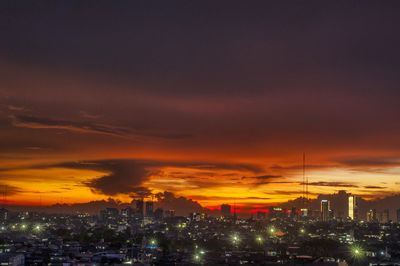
(28, 121)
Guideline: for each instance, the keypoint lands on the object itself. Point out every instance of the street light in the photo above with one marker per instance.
(153, 242)
(235, 239)
(259, 239)
(357, 252)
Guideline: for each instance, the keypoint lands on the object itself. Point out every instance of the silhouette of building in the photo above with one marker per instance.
(384, 216)
(4, 215)
(226, 210)
(158, 214)
(398, 215)
(127, 212)
(371, 215)
(149, 209)
(140, 207)
(170, 213)
(325, 210)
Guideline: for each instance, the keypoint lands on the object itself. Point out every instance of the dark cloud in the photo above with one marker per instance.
(375, 187)
(201, 197)
(126, 176)
(183, 206)
(332, 184)
(140, 192)
(8, 190)
(262, 177)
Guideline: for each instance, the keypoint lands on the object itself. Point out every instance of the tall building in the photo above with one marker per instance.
(325, 210)
(371, 215)
(127, 212)
(398, 215)
(226, 210)
(140, 207)
(384, 216)
(158, 214)
(170, 213)
(353, 208)
(149, 209)
(4, 215)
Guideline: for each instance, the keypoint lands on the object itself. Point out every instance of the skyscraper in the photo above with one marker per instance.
(325, 209)
(384, 216)
(353, 208)
(398, 215)
(371, 215)
(149, 209)
(140, 207)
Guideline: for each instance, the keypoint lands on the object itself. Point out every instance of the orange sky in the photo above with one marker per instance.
(215, 103)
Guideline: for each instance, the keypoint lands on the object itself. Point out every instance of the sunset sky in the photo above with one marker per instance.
(215, 101)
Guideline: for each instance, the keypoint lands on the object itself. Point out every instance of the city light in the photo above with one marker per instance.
(357, 252)
(235, 239)
(271, 230)
(196, 257)
(259, 239)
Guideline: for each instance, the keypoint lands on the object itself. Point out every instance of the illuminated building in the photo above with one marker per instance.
(353, 208)
(304, 212)
(325, 210)
(276, 212)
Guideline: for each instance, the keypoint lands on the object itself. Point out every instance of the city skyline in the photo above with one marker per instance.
(214, 103)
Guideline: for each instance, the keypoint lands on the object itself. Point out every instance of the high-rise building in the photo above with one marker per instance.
(149, 209)
(371, 215)
(384, 216)
(158, 214)
(325, 210)
(226, 210)
(127, 212)
(4, 215)
(398, 215)
(353, 208)
(140, 207)
(304, 212)
(170, 213)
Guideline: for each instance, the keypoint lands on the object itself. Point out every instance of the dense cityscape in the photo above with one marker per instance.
(188, 133)
(144, 235)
